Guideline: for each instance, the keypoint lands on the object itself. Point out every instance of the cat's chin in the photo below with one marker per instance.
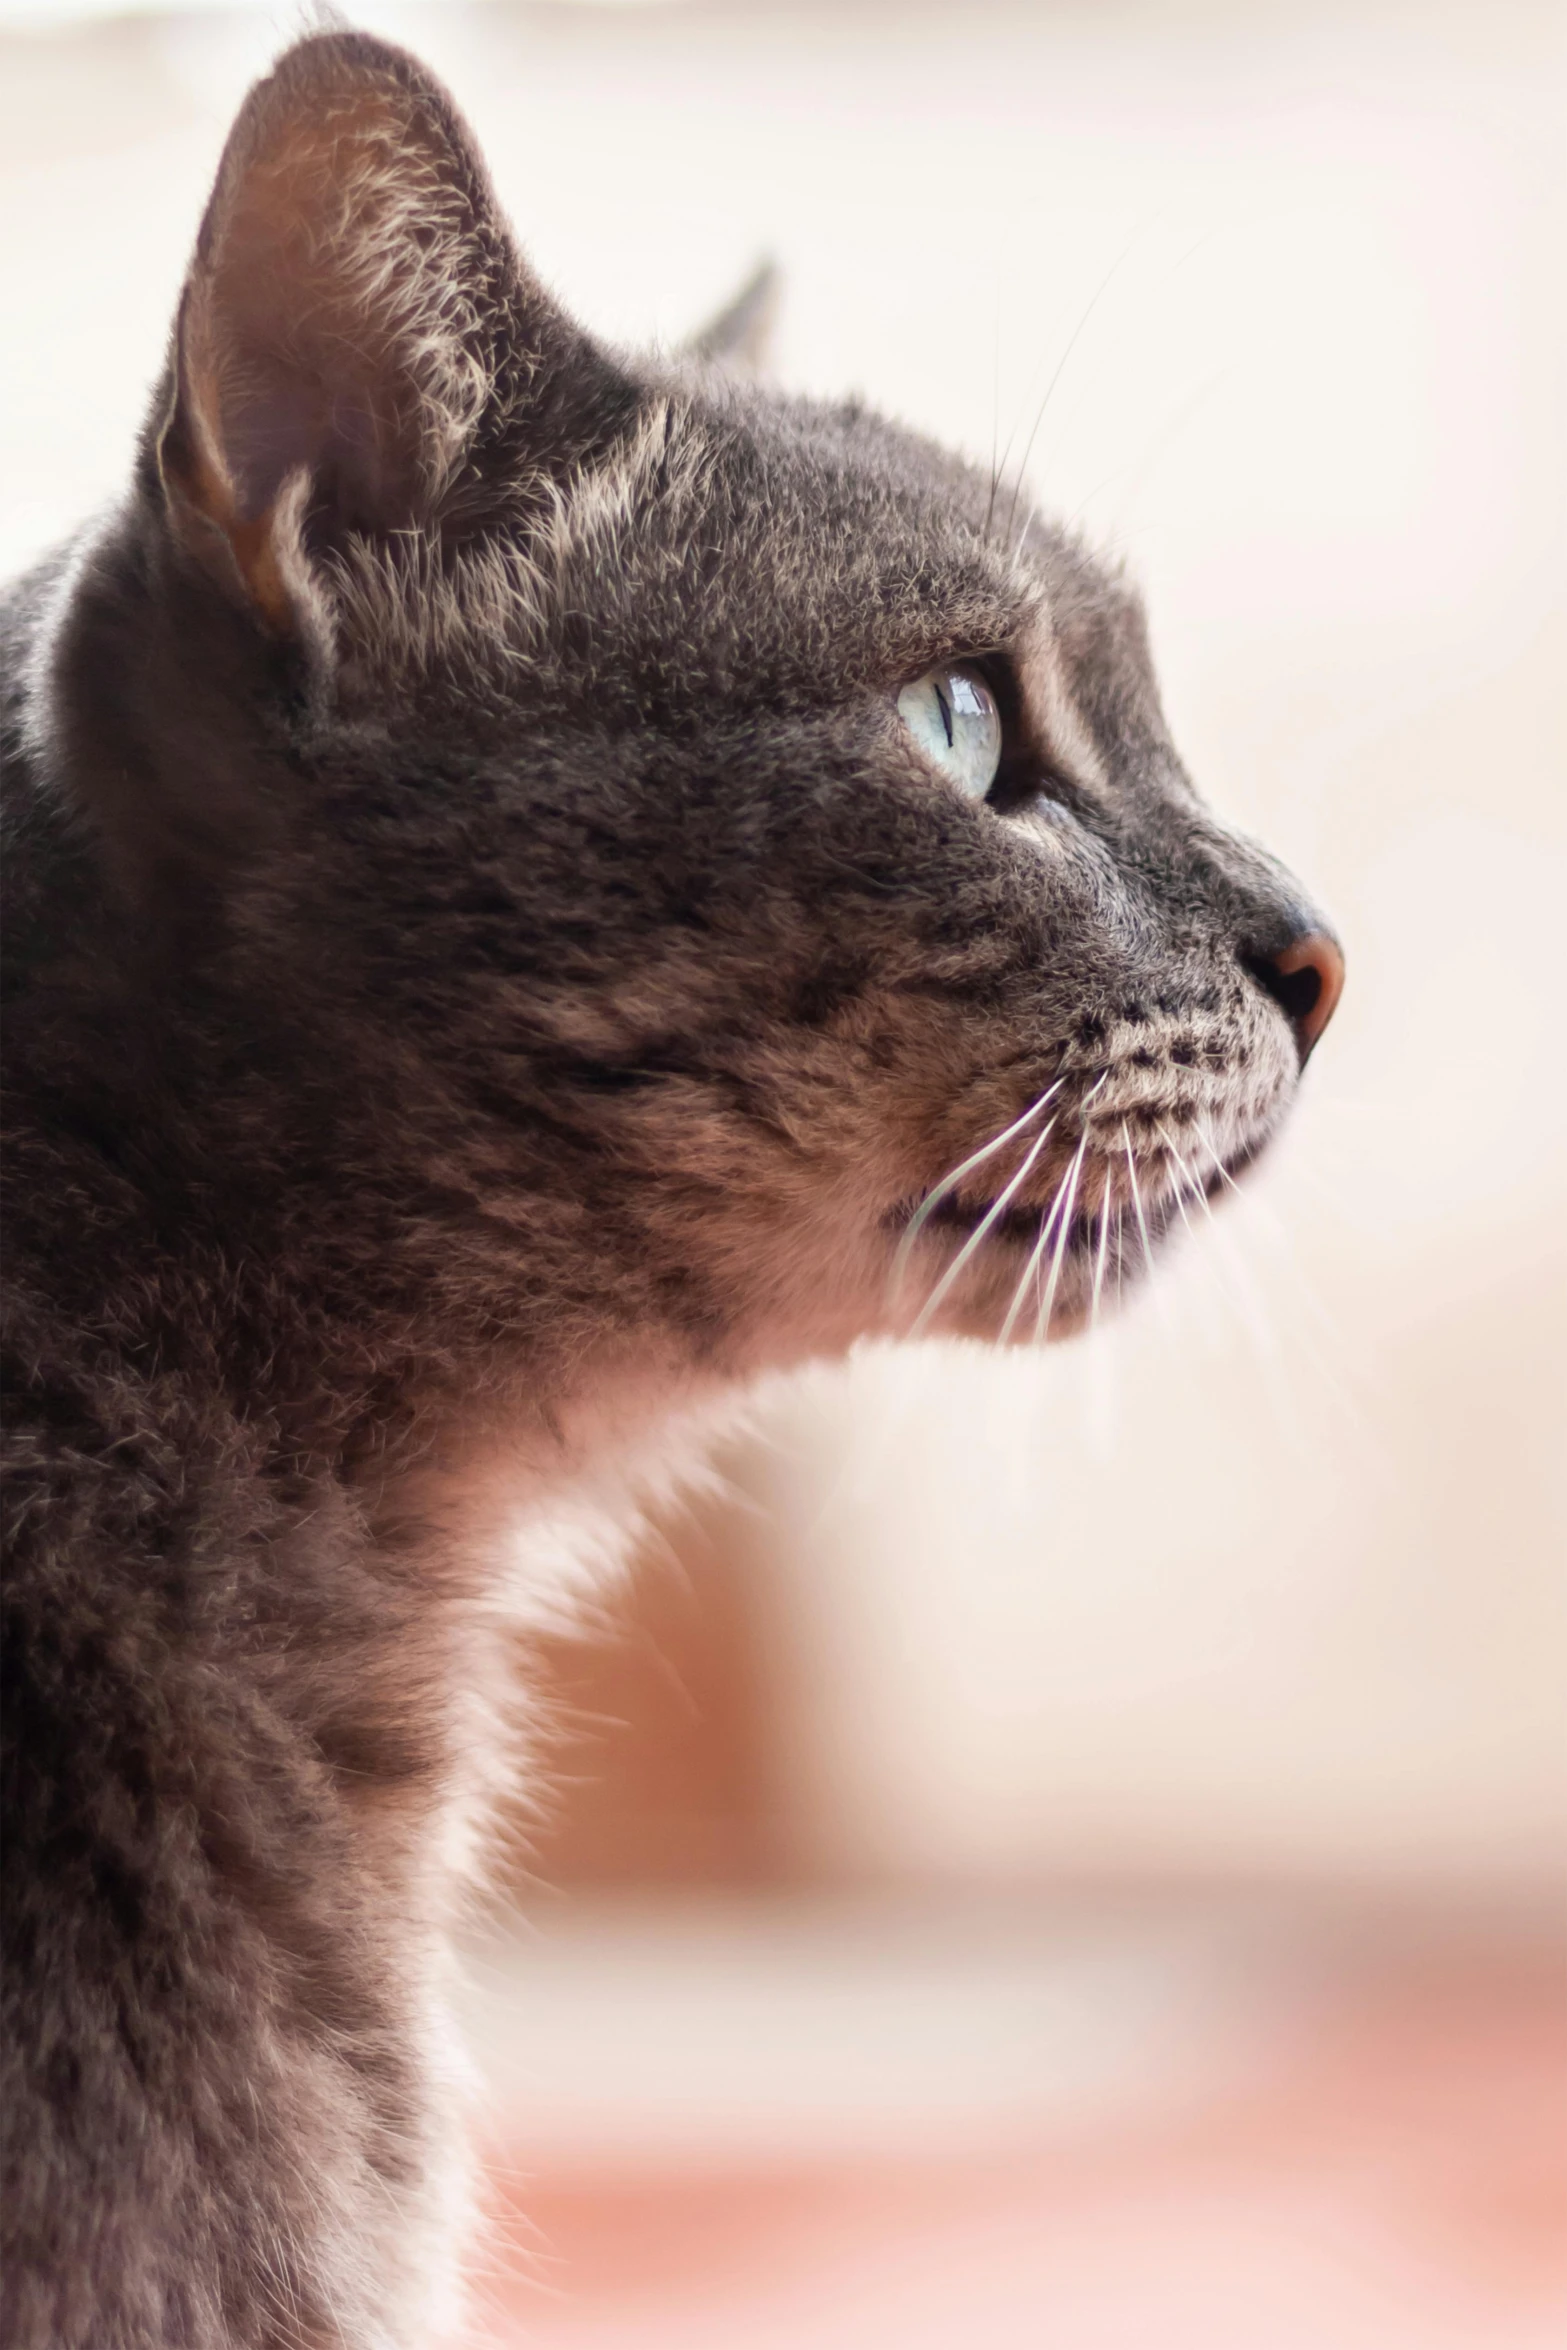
(1006, 1303)
(1018, 1276)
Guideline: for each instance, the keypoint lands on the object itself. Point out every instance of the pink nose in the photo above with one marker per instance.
(1305, 979)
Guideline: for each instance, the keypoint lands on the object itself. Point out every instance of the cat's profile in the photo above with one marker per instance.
(539, 885)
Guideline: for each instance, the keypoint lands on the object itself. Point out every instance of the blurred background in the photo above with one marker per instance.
(1062, 1849)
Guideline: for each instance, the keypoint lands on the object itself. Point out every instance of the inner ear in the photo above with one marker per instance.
(353, 304)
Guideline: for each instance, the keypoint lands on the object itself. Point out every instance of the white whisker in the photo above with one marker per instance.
(1245, 1298)
(1063, 1197)
(1212, 1149)
(1047, 1225)
(1153, 1269)
(1058, 1251)
(1137, 1196)
(1102, 1253)
(975, 1239)
(1187, 1183)
(949, 1183)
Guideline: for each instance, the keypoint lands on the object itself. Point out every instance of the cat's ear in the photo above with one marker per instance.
(740, 336)
(357, 336)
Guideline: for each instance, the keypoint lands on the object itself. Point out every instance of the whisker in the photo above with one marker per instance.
(1057, 1253)
(1030, 517)
(1245, 1299)
(1060, 369)
(1197, 1191)
(1211, 1147)
(1047, 1225)
(1099, 1260)
(1063, 1193)
(995, 424)
(1137, 1195)
(997, 1208)
(1154, 1271)
(949, 1183)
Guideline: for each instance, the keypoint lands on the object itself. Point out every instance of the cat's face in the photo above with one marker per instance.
(755, 834)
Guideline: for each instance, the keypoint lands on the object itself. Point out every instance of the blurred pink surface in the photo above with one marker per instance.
(1395, 2181)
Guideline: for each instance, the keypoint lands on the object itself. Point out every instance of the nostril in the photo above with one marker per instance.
(1305, 980)
(1299, 992)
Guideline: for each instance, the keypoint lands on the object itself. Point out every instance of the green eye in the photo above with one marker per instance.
(952, 715)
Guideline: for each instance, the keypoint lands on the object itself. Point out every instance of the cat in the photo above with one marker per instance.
(540, 885)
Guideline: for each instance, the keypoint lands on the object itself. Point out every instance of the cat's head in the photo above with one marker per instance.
(744, 841)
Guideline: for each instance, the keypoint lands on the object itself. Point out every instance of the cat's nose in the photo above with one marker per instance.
(1305, 978)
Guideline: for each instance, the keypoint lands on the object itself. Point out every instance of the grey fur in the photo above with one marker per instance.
(486, 974)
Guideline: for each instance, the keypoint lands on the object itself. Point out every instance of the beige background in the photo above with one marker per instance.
(1269, 1581)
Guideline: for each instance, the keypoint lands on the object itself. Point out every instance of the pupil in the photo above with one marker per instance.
(944, 707)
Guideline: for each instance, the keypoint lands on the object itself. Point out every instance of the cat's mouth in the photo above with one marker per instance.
(1129, 1217)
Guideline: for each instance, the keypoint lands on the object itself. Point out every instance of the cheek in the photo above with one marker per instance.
(1046, 833)
(908, 1087)
(1088, 925)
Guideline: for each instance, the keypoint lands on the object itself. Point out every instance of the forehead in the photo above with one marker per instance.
(767, 546)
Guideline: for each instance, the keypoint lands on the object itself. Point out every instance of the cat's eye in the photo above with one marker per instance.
(952, 715)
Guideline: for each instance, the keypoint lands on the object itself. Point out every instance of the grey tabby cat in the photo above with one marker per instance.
(540, 885)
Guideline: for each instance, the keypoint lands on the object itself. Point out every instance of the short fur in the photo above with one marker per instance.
(487, 973)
